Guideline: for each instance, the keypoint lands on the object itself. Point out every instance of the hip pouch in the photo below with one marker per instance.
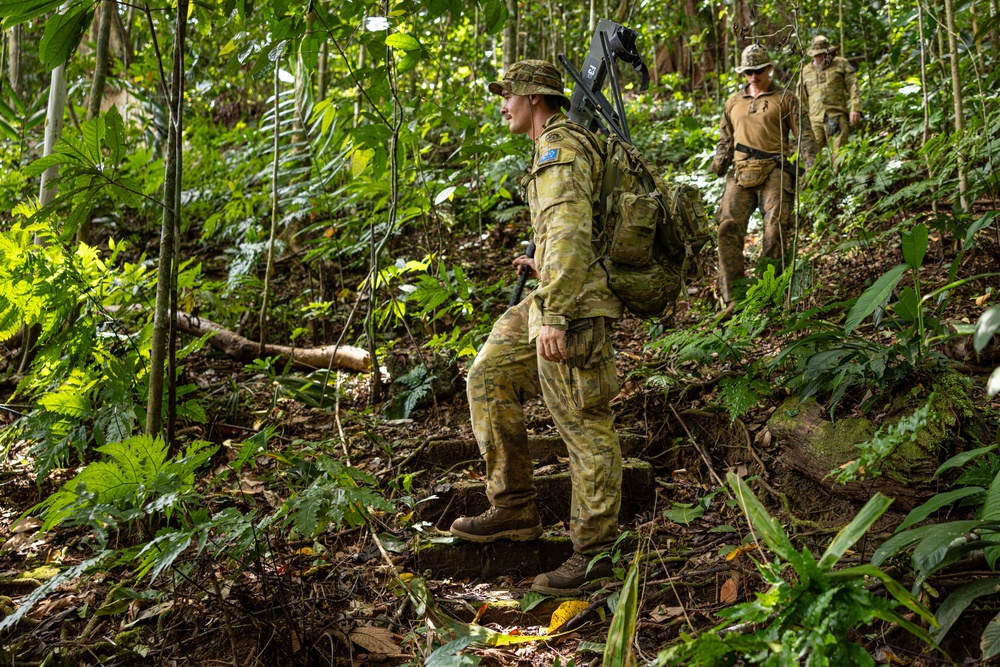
(832, 126)
(752, 172)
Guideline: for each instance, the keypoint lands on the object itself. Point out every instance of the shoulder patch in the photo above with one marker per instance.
(551, 155)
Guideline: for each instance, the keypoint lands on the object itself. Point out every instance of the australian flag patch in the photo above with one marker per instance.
(550, 155)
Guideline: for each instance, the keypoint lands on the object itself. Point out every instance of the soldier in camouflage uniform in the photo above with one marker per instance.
(556, 342)
(830, 91)
(754, 131)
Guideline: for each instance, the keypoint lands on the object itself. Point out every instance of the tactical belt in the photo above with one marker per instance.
(792, 170)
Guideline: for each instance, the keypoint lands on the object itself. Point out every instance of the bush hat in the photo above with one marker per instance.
(818, 46)
(532, 77)
(754, 57)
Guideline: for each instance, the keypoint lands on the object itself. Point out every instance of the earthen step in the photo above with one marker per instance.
(452, 558)
(469, 498)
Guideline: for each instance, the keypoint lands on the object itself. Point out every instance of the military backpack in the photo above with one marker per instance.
(651, 230)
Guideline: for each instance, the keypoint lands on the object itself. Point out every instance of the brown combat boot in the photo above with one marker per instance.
(568, 577)
(497, 523)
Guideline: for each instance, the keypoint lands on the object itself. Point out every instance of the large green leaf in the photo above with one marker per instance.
(991, 507)
(19, 11)
(990, 642)
(618, 649)
(874, 296)
(894, 588)
(62, 34)
(402, 41)
(854, 531)
(986, 326)
(959, 460)
(494, 15)
(915, 246)
(115, 136)
(898, 543)
(976, 227)
(891, 616)
(918, 514)
(768, 528)
(962, 597)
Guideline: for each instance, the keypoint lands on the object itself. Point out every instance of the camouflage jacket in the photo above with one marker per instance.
(763, 123)
(563, 192)
(832, 90)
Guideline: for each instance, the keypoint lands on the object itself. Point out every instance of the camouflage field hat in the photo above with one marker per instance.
(754, 57)
(532, 77)
(818, 46)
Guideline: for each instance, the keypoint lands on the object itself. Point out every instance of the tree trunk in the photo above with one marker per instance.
(266, 300)
(102, 58)
(322, 73)
(161, 319)
(510, 36)
(840, 9)
(994, 30)
(48, 189)
(956, 91)
(14, 38)
(122, 35)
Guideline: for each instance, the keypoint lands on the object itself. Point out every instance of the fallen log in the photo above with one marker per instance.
(246, 350)
(814, 447)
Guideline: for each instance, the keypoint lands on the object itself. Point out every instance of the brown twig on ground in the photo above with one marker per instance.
(700, 450)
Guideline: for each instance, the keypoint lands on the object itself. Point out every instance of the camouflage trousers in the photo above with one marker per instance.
(839, 141)
(775, 198)
(506, 373)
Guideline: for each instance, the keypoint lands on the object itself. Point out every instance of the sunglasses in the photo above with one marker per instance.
(751, 72)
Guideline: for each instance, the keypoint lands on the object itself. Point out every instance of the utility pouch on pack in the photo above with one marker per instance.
(634, 229)
(652, 229)
(753, 172)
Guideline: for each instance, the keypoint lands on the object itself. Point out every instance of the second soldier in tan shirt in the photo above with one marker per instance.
(754, 140)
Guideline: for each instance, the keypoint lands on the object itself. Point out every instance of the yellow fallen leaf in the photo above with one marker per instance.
(564, 612)
(739, 551)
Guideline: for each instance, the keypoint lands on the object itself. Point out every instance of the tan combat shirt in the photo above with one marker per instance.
(832, 90)
(763, 123)
(563, 189)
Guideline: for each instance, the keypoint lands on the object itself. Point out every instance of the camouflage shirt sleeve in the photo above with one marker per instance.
(563, 224)
(724, 148)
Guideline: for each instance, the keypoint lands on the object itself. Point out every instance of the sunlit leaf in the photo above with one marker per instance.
(874, 296)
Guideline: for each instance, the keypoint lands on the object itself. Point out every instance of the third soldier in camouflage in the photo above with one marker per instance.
(830, 91)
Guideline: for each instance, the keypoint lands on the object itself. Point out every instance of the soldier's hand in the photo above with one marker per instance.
(551, 343)
(525, 261)
(855, 118)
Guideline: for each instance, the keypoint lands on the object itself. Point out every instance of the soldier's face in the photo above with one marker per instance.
(758, 77)
(516, 112)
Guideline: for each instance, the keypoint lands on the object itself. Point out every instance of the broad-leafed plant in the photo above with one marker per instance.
(810, 611)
